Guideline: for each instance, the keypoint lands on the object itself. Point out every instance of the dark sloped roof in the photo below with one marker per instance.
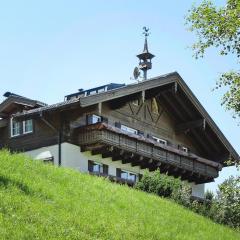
(18, 100)
(56, 106)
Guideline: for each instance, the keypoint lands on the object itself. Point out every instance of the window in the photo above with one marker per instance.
(19, 128)
(128, 129)
(126, 175)
(96, 119)
(101, 90)
(92, 119)
(92, 92)
(15, 128)
(27, 126)
(159, 140)
(99, 168)
(185, 149)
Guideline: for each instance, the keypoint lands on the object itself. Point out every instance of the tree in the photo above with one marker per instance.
(219, 27)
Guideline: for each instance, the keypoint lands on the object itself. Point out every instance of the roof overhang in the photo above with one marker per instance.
(172, 81)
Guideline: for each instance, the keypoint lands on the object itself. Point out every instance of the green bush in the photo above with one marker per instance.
(223, 208)
(161, 184)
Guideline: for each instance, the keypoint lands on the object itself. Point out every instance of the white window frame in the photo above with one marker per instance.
(12, 128)
(160, 140)
(92, 92)
(100, 165)
(129, 174)
(100, 90)
(185, 149)
(129, 129)
(24, 126)
(96, 119)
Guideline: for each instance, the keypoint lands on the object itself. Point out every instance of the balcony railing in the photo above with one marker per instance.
(154, 155)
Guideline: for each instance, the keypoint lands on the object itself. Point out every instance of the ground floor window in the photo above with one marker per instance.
(96, 167)
(126, 175)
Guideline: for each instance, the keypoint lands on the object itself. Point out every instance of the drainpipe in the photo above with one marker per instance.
(60, 144)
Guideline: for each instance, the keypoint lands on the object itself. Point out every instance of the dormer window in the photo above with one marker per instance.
(101, 90)
(160, 140)
(92, 92)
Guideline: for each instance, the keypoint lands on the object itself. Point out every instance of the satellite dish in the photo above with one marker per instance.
(136, 73)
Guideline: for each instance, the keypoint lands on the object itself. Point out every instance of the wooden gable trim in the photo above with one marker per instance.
(128, 90)
(206, 116)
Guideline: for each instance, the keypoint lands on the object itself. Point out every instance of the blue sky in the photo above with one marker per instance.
(52, 48)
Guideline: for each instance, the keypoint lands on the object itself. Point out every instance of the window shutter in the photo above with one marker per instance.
(118, 172)
(104, 119)
(118, 124)
(141, 133)
(90, 166)
(89, 119)
(105, 169)
(140, 176)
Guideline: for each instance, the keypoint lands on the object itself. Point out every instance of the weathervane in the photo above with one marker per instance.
(145, 58)
(146, 31)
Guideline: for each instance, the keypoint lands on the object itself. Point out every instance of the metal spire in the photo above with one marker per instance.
(145, 57)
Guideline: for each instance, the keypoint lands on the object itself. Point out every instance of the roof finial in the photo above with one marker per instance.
(146, 31)
(145, 57)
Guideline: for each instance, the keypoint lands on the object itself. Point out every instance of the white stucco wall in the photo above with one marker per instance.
(72, 157)
(37, 153)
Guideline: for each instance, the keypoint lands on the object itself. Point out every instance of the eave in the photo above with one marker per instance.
(172, 83)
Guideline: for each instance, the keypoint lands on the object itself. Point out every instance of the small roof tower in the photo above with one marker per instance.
(145, 58)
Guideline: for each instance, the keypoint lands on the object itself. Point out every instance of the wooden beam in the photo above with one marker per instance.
(177, 111)
(146, 163)
(186, 126)
(128, 158)
(138, 162)
(183, 104)
(202, 142)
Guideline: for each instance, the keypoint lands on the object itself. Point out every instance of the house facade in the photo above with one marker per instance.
(121, 130)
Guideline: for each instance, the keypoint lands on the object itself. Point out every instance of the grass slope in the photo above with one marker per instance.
(39, 201)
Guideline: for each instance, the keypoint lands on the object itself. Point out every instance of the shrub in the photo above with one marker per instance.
(161, 184)
(227, 206)
(223, 208)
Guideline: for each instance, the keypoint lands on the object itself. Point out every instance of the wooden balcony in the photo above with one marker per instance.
(139, 151)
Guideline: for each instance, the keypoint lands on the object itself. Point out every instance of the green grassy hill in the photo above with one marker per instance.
(39, 201)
